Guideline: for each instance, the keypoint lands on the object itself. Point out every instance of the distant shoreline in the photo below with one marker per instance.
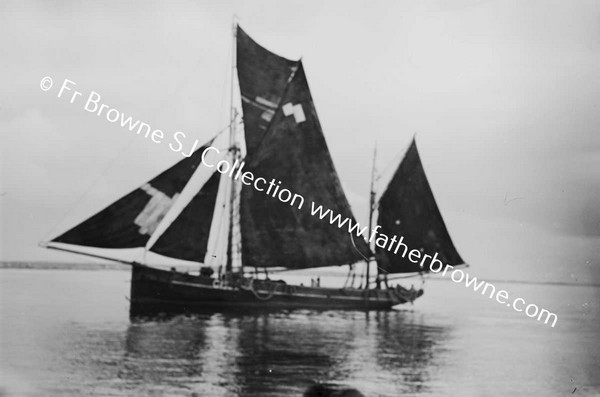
(62, 266)
(35, 265)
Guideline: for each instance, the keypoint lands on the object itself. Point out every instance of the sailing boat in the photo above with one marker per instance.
(176, 216)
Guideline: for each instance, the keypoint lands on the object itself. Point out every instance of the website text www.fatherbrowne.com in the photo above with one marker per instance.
(394, 243)
(274, 189)
(436, 266)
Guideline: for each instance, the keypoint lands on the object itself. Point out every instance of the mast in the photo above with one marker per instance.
(233, 149)
(371, 209)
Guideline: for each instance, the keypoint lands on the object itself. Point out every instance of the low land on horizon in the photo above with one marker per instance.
(46, 265)
(43, 265)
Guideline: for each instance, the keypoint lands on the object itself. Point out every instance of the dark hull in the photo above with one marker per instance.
(155, 291)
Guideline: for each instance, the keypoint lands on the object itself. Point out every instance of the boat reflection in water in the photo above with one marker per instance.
(273, 354)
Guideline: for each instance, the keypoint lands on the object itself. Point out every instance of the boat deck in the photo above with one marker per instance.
(163, 291)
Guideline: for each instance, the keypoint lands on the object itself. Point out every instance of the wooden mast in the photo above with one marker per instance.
(233, 149)
(371, 209)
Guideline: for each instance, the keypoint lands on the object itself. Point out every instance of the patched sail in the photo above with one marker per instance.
(130, 221)
(262, 76)
(408, 209)
(294, 152)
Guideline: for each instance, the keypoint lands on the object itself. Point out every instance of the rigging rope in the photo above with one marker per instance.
(111, 163)
(350, 272)
(95, 182)
(394, 160)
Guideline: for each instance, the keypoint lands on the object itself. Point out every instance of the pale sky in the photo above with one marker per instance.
(504, 97)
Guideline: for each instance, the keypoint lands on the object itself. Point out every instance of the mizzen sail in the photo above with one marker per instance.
(407, 208)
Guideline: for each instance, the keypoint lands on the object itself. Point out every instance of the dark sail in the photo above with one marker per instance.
(294, 152)
(130, 221)
(407, 208)
(262, 76)
(187, 237)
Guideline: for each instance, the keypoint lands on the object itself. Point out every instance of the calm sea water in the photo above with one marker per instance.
(67, 333)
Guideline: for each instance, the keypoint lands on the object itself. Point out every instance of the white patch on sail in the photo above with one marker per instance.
(288, 109)
(267, 106)
(296, 110)
(267, 115)
(269, 112)
(267, 103)
(299, 114)
(150, 217)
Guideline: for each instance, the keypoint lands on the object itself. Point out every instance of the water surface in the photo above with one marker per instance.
(67, 333)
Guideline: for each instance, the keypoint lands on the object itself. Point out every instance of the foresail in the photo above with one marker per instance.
(130, 221)
(262, 77)
(187, 237)
(408, 209)
(294, 152)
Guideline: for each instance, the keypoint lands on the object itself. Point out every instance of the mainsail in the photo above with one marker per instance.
(263, 77)
(407, 208)
(130, 221)
(294, 151)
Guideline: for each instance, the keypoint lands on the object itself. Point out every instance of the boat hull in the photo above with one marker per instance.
(155, 291)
